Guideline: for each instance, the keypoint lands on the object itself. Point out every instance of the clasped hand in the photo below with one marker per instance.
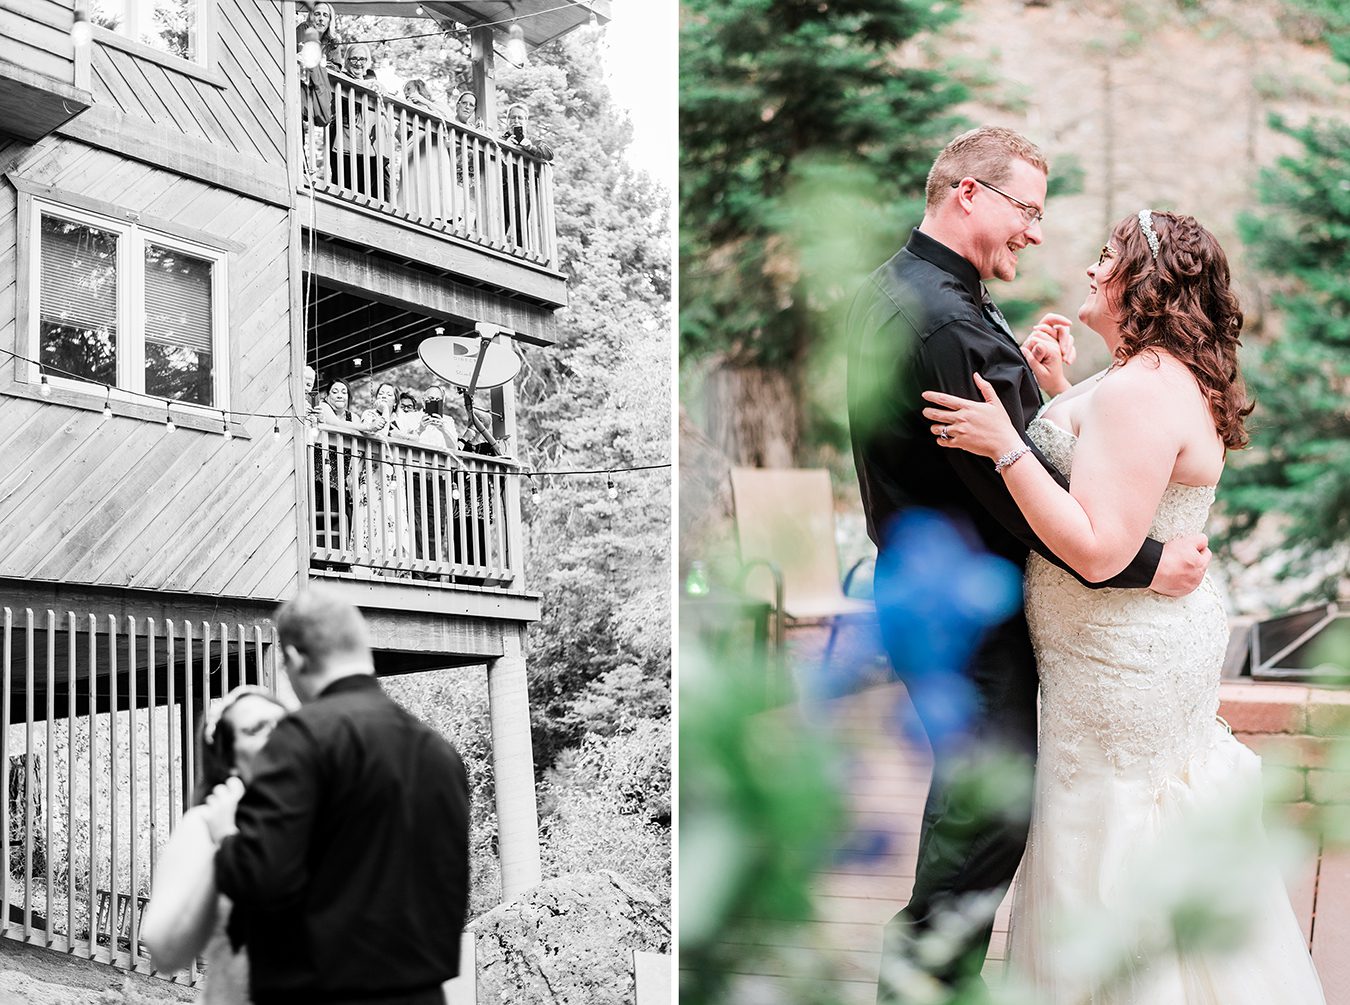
(1048, 350)
(220, 807)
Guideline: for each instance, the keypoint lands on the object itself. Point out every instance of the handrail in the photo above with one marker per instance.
(393, 508)
(387, 152)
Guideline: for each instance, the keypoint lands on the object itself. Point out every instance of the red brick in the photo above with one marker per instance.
(1289, 750)
(1329, 786)
(1264, 707)
(1284, 785)
(1329, 712)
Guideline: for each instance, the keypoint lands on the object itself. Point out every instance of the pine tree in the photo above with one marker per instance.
(1299, 461)
(803, 130)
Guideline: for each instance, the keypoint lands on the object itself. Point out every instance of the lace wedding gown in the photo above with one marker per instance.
(1132, 760)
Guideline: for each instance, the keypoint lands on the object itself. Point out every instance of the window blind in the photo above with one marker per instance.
(177, 299)
(79, 275)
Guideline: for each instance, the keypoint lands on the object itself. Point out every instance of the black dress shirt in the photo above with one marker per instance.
(918, 325)
(350, 870)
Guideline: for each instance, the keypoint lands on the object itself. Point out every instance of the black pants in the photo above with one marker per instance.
(967, 847)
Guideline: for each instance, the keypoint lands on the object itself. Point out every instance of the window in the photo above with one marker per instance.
(171, 26)
(124, 306)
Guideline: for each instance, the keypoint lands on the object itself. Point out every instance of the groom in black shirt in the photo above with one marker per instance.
(347, 858)
(924, 321)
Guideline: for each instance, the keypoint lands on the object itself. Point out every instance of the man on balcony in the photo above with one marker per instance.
(520, 177)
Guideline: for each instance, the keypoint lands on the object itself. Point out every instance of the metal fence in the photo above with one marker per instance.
(100, 720)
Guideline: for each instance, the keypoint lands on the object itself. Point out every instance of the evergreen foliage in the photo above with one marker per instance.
(776, 95)
(1299, 461)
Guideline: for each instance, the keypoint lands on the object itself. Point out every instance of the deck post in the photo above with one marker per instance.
(513, 767)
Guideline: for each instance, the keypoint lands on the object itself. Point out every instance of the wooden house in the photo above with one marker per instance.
(175, 249)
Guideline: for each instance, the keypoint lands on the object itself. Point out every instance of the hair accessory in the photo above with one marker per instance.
(1146, 225)
(217, 709)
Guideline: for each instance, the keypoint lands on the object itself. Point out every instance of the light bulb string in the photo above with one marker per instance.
(465, 32)
(227, 414)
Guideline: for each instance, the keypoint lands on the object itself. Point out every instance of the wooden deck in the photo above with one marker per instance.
(836, 957)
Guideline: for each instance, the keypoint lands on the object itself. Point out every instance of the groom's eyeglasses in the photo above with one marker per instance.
(1029, 212)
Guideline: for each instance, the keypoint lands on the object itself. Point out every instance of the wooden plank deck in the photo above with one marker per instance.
(836, 957)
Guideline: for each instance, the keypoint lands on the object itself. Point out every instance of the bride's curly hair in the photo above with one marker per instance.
(1182, 304)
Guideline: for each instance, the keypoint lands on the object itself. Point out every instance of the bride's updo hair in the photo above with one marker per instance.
(1182, 304)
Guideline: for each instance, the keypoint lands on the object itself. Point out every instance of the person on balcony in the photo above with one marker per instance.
(186, 916)
(363, 129)
(427, 174)
(316, 90)
(429, 476)
(520, 176)
(381, 532)
(469, 153)
(334, 472)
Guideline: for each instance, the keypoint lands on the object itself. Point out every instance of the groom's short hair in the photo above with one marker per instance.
(985, 153)
(321, 624)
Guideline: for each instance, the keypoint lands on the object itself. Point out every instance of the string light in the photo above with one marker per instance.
(81, 31)
(612, 489)
(45, 388)
(225, 425)
(168, 419)
(310, 53)
(515, 44)
(313, 434)
(276, 430)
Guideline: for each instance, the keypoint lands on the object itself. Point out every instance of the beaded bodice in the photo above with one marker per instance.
(1131, 671)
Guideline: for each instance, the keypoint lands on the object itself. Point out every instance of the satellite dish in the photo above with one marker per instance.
(454, 357)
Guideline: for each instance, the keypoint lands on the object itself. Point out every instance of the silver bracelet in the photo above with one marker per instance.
(1010, 458)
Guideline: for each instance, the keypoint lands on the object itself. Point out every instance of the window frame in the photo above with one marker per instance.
(132, 237)
(202, 65)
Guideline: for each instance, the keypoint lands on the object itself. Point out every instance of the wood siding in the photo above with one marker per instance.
(36, 36)
(126, 502)
(246, 116)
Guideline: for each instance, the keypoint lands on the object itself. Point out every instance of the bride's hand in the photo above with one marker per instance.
(1048, 350)
(220, 806)
(978, 427)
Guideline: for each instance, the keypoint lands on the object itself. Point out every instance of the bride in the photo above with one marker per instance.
(1132, 752)
(185, 915)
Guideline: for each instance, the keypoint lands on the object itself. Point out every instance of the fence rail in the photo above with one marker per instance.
(100, 719)
(438, 172)
(398, 509)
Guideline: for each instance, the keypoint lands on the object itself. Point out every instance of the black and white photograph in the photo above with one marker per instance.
(335, 501)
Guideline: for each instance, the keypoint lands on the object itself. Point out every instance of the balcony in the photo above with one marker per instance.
(403, 162)
(399, 511)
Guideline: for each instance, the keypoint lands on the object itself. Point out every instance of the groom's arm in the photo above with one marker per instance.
(946, 362)
(263, 865)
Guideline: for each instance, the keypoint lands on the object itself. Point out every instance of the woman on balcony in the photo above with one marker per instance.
(334, 471)
(381, 532)
(427, 174)
(470, 152)
(363, 129)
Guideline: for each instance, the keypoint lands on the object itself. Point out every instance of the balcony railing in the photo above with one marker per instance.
(97, 739)
(405, 511)
(404, 160)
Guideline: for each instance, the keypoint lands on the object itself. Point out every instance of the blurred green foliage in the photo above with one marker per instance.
(1299, 461)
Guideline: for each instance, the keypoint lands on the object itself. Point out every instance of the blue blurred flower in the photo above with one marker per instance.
(935, 596)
